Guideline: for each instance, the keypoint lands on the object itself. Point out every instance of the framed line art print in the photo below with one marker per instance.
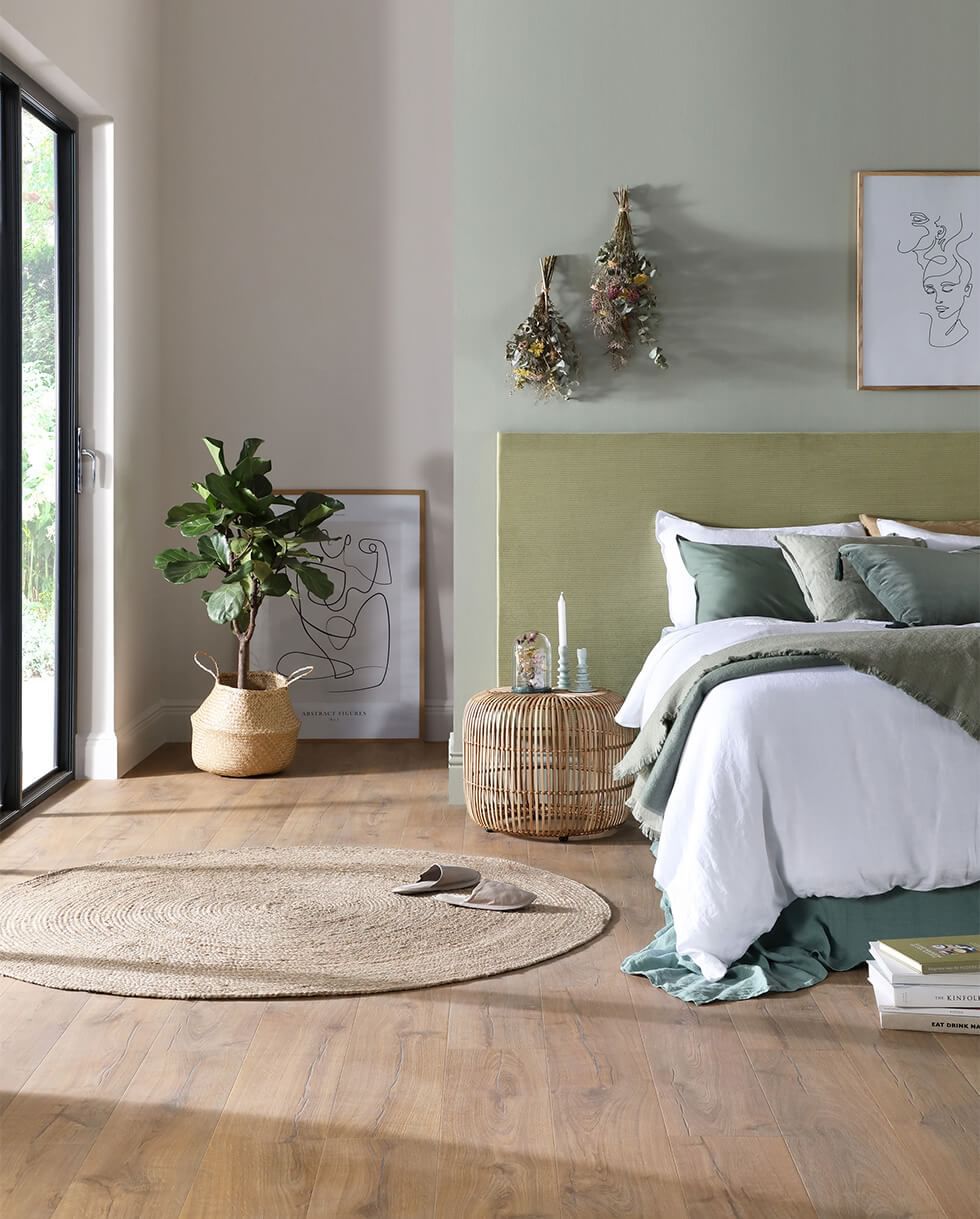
(366, 641)
(918, 262)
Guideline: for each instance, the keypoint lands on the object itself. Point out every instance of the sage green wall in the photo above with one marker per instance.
(739, 126)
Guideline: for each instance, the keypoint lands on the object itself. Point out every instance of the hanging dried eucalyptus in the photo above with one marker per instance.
(623, 302)
(542, 351)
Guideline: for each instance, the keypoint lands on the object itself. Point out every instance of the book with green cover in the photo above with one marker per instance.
(946, 954)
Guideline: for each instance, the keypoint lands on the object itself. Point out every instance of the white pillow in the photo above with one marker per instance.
(934, 541)
(682, 601)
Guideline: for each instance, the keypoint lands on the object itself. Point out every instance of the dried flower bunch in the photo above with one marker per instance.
(542, 351)
(531, 651)
(623, 302)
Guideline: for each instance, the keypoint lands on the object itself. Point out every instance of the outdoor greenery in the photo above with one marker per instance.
(39, 397)
(258, 552)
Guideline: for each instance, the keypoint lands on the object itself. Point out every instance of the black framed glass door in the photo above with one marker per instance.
(38, 434)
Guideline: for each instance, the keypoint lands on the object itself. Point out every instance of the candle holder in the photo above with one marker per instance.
(583, 683)
(562, 667)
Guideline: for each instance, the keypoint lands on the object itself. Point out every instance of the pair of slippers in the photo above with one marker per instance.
(485, 895)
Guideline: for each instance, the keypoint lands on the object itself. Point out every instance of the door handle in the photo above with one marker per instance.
(81, 453)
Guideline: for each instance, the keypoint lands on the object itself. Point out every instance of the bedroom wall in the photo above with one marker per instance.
(307, 285)
(739, 128)
(102, 59)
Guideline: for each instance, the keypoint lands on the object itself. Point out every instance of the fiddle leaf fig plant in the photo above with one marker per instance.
(255, 540)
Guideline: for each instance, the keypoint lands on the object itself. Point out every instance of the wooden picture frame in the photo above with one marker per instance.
(367, 642)
(918, 266)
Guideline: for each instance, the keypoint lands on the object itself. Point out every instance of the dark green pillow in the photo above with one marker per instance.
(921, 587)
(743, 582)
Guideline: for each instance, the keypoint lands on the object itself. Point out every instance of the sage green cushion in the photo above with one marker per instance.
(812, 558)
(743, 581)
(919, 586)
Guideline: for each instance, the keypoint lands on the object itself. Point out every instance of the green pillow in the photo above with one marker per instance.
(742, 582)
(812, 558)
(920, 587)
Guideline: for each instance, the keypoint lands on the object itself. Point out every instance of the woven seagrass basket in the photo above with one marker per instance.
(238, 733)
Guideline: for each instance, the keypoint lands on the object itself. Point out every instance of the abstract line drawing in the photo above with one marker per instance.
(947, 274)
(349, 634)
(365, 640)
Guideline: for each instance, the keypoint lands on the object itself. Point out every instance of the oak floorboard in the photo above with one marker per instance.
(564, 1091)
(740, 1177)
(965, 1052)
(32, 1019)
(497, 1140)
(932, 1107)
(383, 1128)
(146, 1156)
(843, 1146)
(52, 1123)
(263, 1155)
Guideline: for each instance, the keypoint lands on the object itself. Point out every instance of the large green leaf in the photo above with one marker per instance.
(217, 450)
(197, 526)
(226, 602)
(276, 585)
(180, 566)
(228, 491)
(215, 548)
(210, 502)
(315, 578)
(182, 512)
(249, 448)
(250, 468)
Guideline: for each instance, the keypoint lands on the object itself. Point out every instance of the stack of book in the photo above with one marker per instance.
(929, 985)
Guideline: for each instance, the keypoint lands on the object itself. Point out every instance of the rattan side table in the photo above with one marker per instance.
(540, 765)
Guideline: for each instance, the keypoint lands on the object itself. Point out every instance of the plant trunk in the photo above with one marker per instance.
(245, 637)
(243, 651)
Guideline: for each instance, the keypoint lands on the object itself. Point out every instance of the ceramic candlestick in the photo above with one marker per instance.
(562, 667)
(583, 683)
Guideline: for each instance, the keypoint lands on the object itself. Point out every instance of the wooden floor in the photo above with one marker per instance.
(564, 1090)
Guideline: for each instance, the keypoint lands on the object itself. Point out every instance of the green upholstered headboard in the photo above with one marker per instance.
(575, 513)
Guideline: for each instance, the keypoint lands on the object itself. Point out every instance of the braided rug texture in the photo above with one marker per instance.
(275, 921)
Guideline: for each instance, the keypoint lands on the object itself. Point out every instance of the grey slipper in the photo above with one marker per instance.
(437, 878)
(493, 895)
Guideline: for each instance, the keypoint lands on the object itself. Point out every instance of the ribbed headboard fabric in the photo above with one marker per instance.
(575, 513)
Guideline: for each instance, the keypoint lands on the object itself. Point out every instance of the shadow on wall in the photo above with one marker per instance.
(727, 306)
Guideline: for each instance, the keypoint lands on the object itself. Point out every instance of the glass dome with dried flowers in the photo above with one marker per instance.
(532, 663)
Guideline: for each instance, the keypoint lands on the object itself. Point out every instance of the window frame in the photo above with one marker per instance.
(17, 93)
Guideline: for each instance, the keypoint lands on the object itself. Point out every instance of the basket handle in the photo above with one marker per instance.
(298, 673)
(215, 673)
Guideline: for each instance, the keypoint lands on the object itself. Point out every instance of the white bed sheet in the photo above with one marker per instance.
(812, 782)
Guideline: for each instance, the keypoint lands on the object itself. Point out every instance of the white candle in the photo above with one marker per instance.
(562, 622)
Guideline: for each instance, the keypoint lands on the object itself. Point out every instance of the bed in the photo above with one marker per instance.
(797, 828)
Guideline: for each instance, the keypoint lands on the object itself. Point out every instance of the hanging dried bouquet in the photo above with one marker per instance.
(542, 351)
(623, 301)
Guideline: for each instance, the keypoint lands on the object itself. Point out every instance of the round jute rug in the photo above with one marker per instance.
(267, 922)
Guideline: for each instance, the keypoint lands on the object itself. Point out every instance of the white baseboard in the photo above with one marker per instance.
(438, 721)
(140, 737)
(107, 755)
(456, 794)
(96, 755)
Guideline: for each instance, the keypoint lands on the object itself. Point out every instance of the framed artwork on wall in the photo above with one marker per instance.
(366, 642)
(918, 258)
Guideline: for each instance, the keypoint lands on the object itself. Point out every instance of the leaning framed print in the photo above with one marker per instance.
(366, 640)
(918, 255)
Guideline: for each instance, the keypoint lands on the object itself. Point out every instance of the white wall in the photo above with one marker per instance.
(102, 59)
(739, 126)
(307, 280)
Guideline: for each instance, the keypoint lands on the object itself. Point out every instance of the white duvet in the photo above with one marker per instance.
(814, 782)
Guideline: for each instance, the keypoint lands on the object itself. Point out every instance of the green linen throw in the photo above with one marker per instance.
(938, 666)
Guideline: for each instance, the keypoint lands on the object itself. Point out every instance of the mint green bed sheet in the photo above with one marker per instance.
(812, 936)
